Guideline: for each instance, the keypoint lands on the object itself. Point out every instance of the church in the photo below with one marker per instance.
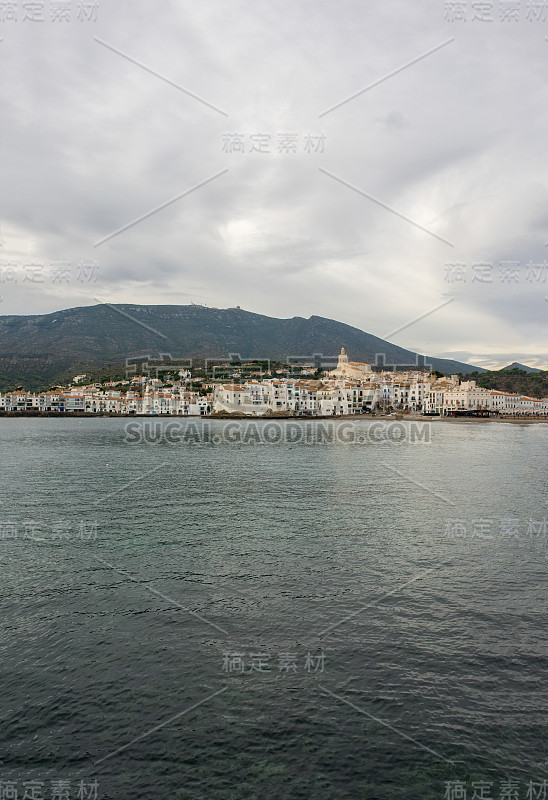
(354, 370)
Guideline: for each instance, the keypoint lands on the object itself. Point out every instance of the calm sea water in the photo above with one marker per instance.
(212, 619)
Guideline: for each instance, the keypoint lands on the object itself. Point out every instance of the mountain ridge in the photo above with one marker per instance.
(517, 365)
(41, 349)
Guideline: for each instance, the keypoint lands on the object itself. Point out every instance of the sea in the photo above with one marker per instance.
(287, 609)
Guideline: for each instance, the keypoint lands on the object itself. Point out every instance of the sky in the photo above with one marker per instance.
(383, 164)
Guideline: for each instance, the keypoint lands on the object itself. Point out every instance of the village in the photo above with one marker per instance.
(352, 388)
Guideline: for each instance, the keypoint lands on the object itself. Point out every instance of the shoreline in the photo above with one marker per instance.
(280, 417)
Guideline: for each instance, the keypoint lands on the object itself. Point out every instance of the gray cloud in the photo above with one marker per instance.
(90, 141)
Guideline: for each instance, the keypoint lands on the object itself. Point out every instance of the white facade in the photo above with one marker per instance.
(468, 397)
(95, 402)
(353, 388)
(350, 370)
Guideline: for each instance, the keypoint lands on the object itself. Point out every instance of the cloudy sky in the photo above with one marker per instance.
(382, 163)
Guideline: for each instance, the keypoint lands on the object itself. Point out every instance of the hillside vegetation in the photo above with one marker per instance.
(39, 351)
(532, 384)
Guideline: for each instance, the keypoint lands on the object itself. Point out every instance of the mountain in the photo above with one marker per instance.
(39, 351)
(523, 367)
(515, 381)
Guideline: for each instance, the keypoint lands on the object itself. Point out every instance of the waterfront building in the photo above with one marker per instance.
(352, 388)
(468, 397)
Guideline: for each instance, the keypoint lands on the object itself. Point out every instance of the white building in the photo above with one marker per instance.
(467, 397)
(346, 369)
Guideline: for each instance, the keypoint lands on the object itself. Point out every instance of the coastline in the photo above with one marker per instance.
(273, 418)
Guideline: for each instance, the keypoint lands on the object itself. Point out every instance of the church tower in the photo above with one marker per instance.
(343, 359)
(355, 370)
